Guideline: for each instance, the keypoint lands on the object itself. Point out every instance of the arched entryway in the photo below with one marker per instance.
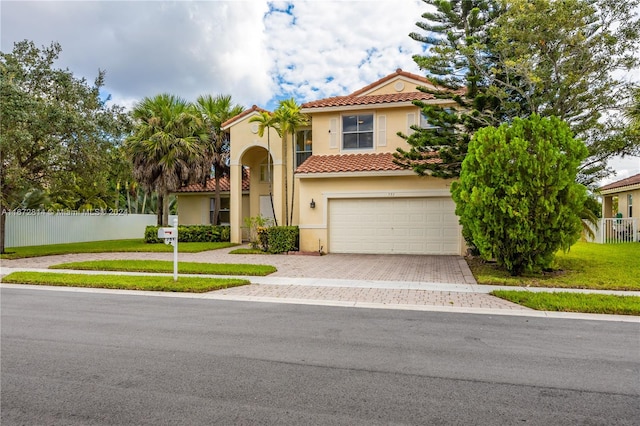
(264, 190)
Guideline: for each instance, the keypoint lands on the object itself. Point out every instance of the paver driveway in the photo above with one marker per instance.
(413, 268)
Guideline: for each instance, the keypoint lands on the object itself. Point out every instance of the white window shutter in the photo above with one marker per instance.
(411, 120)
(333, 133)
(382, 130)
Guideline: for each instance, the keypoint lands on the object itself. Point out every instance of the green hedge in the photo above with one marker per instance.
(192, 234)
(279, 239)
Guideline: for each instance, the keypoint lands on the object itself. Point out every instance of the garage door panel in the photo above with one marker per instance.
(394, 225)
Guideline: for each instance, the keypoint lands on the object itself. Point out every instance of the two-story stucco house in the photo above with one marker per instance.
(349, 196)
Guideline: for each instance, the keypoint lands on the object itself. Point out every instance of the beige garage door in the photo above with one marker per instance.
(394, 225)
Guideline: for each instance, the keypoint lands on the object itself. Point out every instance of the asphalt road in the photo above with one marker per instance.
(86, 358)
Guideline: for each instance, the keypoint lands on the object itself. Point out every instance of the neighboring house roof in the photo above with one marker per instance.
(225, 184)
(627, 184)
(254, 108)
(373, 162)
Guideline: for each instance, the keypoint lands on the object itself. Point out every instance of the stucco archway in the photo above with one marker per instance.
(262, 191)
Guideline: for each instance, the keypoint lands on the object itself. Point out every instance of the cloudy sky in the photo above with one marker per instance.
(257, 51)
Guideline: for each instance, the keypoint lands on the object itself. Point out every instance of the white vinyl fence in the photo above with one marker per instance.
(615, 230)
(26, 228)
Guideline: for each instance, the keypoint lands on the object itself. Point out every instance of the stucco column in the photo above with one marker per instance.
(235, 203)
(607, 206)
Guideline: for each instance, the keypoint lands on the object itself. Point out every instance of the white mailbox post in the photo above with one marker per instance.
(170, 236)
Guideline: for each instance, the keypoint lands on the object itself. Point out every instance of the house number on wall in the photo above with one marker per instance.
(391, 194)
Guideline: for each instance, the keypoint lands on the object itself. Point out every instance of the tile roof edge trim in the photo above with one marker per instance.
(247, 112)
(362, 173)
(308, 110)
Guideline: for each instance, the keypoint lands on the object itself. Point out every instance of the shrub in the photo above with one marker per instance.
(192, 234)
(279, 239)
(254, 224)
(517, 198)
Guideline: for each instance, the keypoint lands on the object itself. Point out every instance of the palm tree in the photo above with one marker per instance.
(215, 111)
(166, 147)
(266, 120)
(290, 118)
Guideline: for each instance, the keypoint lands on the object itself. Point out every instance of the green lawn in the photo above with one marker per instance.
(167, 266)
(247, 251)
(110, 246)
(586, 265)
(573, 302)
(125, 282)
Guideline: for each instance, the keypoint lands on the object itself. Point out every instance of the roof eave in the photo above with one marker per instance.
(624, 188)
(371, 173)
(366, 106)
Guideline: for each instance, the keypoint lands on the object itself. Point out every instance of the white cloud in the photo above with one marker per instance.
(331, 48)
(146, 48)
(257, 51)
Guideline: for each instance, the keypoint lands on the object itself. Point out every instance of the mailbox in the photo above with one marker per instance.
(170, 236)
(167, 233)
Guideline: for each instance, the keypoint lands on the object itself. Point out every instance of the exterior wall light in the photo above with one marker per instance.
(312, 204)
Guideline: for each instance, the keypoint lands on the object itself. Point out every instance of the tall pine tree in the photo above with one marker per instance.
(457, 61)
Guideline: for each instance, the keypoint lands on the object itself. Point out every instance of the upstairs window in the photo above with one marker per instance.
(357, 131)
(424, 122)
(304, 145)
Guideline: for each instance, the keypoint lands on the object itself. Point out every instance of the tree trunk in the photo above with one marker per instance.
(128, 198)
(216, 203)
(273, 210)
(165, 210)
(117, 203)
(160, 210)
(3, 223)
(286, 182)
(293, 175)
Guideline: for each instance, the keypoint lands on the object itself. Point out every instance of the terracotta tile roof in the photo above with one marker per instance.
(338, 101)
(398, 72)
(357, 97)
(225, 185)
(244, 113)
(633, 180)
(373, 162)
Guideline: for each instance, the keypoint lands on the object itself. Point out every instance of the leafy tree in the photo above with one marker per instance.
(215, 111)
(267, 120)
(517, 197)
(289, 118)
(633, 111)
(167, 147)
(565, 56)
(632, 114)
(514, 58)
(55, 129)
